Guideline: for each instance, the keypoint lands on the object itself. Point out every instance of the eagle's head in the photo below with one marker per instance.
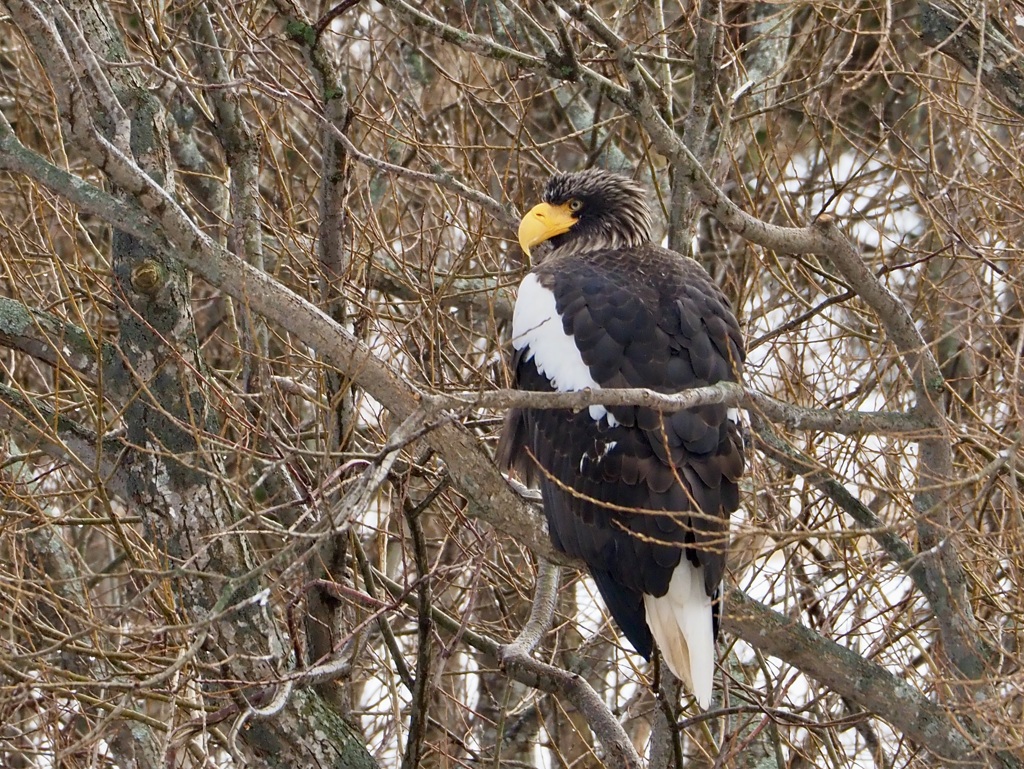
(588, 211)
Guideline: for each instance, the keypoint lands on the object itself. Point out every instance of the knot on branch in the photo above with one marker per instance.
(562, 66)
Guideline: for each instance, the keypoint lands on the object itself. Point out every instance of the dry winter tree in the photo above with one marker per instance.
(257, 269)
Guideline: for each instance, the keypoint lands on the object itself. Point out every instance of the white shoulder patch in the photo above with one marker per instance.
(537, 329)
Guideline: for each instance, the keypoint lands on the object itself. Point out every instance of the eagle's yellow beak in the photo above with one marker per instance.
(543, 222)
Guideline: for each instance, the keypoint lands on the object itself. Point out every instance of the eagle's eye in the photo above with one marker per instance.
(575, 205)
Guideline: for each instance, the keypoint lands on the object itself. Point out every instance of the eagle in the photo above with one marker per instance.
(642, 496)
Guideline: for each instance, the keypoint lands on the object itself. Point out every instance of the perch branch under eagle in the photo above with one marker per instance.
(643, 497)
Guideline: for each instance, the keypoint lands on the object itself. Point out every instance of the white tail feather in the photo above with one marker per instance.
(681, 623)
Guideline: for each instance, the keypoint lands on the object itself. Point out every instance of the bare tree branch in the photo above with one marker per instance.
(481, 482)
(515, 658)
(48, 338)
(867, 684)
(37, 425)
(541, 612)
(979, 43)
(787, 414)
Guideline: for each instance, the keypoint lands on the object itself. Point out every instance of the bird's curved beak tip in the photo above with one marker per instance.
(543, 222)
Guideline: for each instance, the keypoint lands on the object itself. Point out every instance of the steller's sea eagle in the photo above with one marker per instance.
(642, 497)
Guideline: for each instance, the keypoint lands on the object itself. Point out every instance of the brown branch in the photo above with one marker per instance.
(895, 548)
(729, 393)
(864, 682)
(39, 426)
(491, 295)
(482, 46)
(520, 666)
(414, 745)
(241, 151)
(581, 694)
(697, 124)
(489, 496)
(981, 46)
(541, 612)
(187, 495)
(325, 21)
(868, 684)
(507, 215)
(50, 339)
(334, 260)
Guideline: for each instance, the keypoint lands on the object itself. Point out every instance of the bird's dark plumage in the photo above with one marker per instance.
(643, 497)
